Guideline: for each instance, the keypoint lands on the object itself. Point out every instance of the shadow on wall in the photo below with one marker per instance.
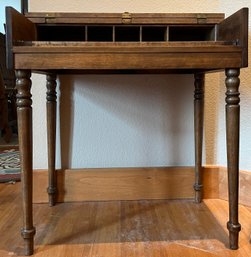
(212, 98)
(126, 120)
(66, 119)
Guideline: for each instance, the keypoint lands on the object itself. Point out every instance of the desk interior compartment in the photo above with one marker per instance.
(154, 33)
(192, 33)
(100, 33)
(60, 33)
(127, 33)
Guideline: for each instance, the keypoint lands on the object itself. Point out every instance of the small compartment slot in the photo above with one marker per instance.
(154, 33)
(127, 33)
(100, 33)
(61, 33)
(191, 33)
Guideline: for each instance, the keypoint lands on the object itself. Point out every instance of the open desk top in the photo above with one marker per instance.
(125, 42)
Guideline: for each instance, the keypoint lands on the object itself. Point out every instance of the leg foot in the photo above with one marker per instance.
(28, 236)
(198, 192)
(52, 191)
(233, 235)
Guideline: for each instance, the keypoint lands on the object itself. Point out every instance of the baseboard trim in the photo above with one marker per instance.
(244, 186)
(137, 183)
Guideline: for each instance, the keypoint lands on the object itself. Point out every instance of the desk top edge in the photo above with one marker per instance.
(118, 14)
(133, 18)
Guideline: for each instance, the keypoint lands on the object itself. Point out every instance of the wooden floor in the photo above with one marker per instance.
(123, 228)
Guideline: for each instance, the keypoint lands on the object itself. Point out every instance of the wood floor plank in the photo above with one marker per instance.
(145, 228)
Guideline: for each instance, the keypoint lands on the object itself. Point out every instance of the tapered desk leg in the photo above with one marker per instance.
(24, 114)
(198, 132)
(232, 131)
(51, 105)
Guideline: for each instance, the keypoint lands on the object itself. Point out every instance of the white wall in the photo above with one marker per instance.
(136, 120)
(14, 3)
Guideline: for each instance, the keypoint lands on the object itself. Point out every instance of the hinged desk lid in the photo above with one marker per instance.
(126, 18)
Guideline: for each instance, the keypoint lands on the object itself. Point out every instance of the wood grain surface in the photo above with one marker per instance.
(138, 183)
(156, 228)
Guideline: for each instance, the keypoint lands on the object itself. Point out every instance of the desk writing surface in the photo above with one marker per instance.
(140, 56)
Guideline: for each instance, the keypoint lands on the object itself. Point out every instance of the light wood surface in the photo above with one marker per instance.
(244, 188)
(117, 184)
(138, 183)
(123, 228)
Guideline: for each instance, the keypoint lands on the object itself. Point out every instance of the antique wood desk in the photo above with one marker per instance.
(55, 43)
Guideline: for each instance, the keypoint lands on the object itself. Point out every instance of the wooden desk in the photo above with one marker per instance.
(55, 43)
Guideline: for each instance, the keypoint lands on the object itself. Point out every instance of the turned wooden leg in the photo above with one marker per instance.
(24, 114)
(198, 132)
(232, 131)
(51, 105)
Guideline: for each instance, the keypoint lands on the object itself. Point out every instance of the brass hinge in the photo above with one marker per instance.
(49, 17)
(126, 18)
(201, 18)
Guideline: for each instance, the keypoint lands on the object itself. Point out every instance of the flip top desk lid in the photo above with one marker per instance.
(125, 18)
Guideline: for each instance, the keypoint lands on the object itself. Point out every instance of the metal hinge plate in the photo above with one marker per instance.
(49, 17)
(201, 19)
(126, 18)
